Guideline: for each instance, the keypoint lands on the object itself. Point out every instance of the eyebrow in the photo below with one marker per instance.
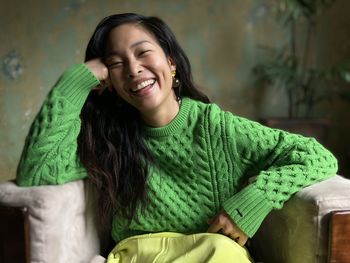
(115, 53)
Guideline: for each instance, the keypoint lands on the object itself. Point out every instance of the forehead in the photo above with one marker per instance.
(127, 35)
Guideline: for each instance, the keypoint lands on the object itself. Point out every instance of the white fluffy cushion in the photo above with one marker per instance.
(299, 232)
(61, 224)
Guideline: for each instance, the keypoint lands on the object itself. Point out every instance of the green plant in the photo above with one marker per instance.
(290, 68)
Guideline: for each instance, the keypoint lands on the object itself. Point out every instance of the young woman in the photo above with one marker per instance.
(163, 158)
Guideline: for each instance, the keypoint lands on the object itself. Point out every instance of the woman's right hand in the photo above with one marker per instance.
(100, 71)
(224, 223)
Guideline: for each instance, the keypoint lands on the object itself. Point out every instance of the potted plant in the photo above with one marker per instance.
(290, 69)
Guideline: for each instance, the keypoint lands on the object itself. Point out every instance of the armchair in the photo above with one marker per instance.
(59, 225)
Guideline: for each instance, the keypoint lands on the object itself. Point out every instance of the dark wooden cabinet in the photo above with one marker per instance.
(14, 235)
(339, 237)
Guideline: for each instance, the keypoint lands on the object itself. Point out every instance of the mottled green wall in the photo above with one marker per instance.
(39, 39)
(333, 43)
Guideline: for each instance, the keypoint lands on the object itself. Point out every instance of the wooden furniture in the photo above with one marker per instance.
(14, 235)
(313, 226)
(339, 237)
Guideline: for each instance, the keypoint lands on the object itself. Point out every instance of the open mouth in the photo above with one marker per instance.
(143, 85)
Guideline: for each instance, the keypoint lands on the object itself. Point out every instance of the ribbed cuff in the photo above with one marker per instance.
(76, 83)
(248, 208)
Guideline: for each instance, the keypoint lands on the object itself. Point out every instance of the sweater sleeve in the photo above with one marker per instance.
(282, 162)
(50, 152)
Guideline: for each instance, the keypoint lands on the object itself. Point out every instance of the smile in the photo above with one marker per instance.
(143, 84)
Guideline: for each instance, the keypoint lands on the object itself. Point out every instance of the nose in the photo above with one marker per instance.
(134, 68)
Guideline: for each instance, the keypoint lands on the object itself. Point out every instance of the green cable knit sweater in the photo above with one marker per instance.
(205, 157)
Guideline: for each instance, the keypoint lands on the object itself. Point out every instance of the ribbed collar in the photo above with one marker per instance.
(178, 122)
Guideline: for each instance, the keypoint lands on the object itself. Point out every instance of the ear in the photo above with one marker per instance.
(171, 64)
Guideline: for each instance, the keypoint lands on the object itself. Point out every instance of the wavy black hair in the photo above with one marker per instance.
(111, 141)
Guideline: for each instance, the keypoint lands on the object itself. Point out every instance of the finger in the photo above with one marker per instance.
(228, 231)
(231, 233)
(241, 240)
(98, 68)
(235, 236)
(214, 227)
(104, 84)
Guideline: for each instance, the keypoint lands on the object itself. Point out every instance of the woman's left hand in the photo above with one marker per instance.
(222, 223)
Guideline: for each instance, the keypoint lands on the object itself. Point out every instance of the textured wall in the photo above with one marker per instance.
(39, 39)
(333, 44)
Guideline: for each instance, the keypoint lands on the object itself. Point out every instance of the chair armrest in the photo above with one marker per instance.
(61, 220)
(299, 231)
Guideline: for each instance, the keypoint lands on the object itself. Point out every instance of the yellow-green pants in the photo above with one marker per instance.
(178, 248)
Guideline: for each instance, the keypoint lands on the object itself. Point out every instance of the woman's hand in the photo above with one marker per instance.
(222, 223)
(100, 71)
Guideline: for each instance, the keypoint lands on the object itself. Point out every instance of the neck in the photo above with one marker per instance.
(161, 116)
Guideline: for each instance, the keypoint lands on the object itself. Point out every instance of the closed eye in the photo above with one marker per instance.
(115, 64)
(144, 52)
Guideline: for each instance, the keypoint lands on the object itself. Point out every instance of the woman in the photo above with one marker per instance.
(163, 158)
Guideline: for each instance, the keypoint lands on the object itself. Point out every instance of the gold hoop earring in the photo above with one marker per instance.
(176, 81)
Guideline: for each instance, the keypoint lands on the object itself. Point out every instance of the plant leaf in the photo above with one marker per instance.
(345, 75)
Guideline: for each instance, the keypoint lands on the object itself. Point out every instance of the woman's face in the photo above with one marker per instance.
(139, 69)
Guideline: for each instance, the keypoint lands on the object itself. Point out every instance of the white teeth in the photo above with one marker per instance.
(143, 84)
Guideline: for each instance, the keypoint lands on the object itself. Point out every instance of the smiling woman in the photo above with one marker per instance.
(141, 73)
(163, 159)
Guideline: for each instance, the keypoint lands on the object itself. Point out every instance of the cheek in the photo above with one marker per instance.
(160, 63)
(116, 80)
(166, 73)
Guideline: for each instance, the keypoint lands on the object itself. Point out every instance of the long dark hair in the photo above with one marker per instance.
(111, 142)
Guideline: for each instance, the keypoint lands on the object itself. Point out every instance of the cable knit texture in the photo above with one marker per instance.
(205, 157)
(50, 151)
